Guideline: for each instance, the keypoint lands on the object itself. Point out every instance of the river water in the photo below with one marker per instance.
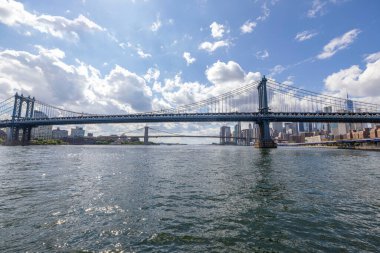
(188, 199)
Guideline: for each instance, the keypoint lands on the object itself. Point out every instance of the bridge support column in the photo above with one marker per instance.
(26, 135)
(265, 141)
(13, 137)
(146, 135)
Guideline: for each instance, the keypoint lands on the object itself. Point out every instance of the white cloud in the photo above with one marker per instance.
(338, 44)
(217, 30)
(223, 77)
(305, 35)
(373, 57)
(248, 27)
(221, 72)
(319, 7)
(142, 54)
(152, 74)
(261, 55)
(156, 24)
(278, 69)
(13, 14)
(189, 60)
(265, 11)
(356, 81)
(211, 47)
(316, 9)
(78, 87)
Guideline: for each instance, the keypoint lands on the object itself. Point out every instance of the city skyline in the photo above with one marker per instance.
(121, 57)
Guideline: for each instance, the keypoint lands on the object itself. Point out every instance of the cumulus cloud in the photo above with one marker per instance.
(305, 35)
(338, 44)
(357, 81)
(13, 14)
(189, 60)
(223, 77)
(221, 72)
(212, 46)
(129, 88)
(152, 74)
(248, 27)
(217, 30)
(78, 87)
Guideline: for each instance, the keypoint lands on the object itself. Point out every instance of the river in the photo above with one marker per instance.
(194, 198)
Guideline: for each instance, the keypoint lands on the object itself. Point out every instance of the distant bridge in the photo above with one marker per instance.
(262, 102)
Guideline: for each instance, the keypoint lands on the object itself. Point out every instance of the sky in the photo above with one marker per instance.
(126, 56)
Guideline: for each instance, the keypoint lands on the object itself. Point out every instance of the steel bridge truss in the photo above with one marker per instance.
(262, 102)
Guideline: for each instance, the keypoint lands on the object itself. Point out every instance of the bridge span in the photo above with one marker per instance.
(261, 102)
(257, 117)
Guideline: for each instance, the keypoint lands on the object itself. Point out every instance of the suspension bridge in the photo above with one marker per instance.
(159, 133)
(261, 101)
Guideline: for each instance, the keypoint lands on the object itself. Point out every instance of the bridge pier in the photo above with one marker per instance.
(265, 141)
(13, 138)
(146, 135)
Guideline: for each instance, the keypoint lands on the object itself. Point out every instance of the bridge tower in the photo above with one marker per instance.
(146, 135)
(19, 113)
(265, 141)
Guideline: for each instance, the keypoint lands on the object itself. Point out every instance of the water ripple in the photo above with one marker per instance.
(188, 199)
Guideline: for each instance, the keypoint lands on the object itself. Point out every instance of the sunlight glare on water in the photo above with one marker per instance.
(188, 198)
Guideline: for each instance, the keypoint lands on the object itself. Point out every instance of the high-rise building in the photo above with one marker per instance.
(291, 128)
(301, 127)
(237, 133)
(349, 105)
(255, 132)
(327, 126)
(77, 132)
(277, 127)
(41, 132)
(225, 135)
(247, 136)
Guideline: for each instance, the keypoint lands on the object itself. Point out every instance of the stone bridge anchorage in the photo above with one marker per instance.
(261, 102)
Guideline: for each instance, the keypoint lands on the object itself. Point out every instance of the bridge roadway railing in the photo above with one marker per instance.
(363, 117)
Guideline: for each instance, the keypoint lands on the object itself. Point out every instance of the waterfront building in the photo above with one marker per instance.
(327, 126)
(77, 132)
(237, 132)
(59, 134)
(256, 132)
(291, 128)
(225, 135)
(277, 128)
(41, 132)
(313, 139)
(247, 135)
(301, 127)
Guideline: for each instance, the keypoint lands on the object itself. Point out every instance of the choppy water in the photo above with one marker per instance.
(188, 199)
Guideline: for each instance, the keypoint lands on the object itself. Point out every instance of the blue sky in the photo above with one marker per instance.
(120, 56)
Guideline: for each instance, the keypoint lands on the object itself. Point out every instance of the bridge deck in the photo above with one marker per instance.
(199, 117)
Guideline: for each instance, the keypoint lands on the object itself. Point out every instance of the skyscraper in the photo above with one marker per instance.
(349, 105)
(225, 135)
